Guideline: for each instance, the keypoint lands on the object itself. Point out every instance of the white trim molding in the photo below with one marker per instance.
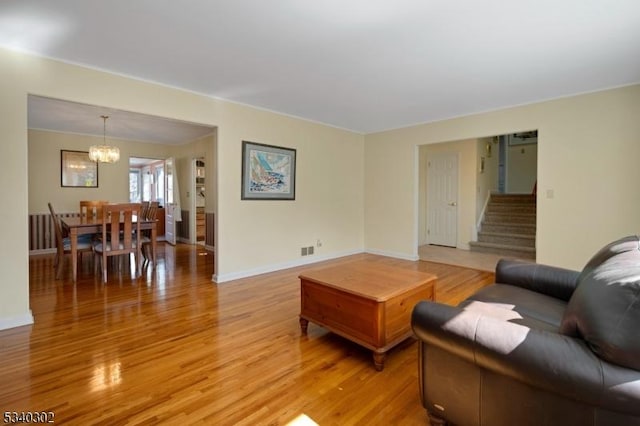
(16, 321)
(307, 260)
(414, 257)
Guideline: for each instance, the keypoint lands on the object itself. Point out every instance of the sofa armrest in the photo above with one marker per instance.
(556, 363)
(550, 280)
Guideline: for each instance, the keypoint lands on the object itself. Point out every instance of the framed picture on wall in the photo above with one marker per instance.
(268, 172)
(77, 170)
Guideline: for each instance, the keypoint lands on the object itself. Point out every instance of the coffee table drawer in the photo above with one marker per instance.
(397, 314)
(346, 314)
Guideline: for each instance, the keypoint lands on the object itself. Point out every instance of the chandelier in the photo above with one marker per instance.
(104, 153)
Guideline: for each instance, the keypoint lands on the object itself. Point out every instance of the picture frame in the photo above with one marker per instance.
(268, 172)
(77, 170)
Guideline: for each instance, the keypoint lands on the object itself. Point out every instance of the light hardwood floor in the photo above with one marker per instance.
(458, 257)
(174, 348)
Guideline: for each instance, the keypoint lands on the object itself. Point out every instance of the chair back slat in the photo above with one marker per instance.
(145, 208)
(91, 208)
(58, 230)
(117, 222)
(60, 248)
(118, 233)
(153, 210)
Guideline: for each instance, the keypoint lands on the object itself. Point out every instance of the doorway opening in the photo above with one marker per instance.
(487, 167)
(198, 210)
(147, 184)
(56, 124)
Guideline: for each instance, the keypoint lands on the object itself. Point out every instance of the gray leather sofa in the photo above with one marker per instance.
(541, 346)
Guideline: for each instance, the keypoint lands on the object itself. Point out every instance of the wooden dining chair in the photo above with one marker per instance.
(145, 208)
(63, 245)
(119, 234)
(151, 213)
(92, 208)
(153, 210)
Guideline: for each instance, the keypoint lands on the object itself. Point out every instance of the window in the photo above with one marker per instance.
(147, 181)
(134, 186)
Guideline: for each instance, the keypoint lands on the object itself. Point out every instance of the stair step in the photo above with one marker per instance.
(513, 198)
(514, 240)
(493, 217)
(502, 249)
(511, 208)
(510, 228)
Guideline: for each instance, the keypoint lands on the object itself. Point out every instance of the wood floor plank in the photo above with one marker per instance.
(171, 347)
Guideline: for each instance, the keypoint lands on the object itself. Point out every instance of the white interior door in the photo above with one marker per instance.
(442, 199)
(170, 201)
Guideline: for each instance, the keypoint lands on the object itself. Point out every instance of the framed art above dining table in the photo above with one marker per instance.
(77, 170)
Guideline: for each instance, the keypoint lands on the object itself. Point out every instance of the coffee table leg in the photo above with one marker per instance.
(303, 325)
(378, 360)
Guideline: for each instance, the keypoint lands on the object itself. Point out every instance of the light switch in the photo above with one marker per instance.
(550, 193)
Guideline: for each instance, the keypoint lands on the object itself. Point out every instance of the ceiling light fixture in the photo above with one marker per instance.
(104, 153)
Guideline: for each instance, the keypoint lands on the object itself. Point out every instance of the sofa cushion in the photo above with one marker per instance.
(604, 309)
(525, 307)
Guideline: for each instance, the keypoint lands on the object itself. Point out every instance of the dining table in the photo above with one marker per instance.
(75, 226)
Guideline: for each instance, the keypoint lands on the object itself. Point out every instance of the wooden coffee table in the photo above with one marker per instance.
(364, 301)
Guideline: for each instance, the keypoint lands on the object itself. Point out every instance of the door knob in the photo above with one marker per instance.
(453, 204)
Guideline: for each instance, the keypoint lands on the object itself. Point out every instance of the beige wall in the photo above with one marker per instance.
(253, 236)
(329, 193)
(588, 150)
(521, 168)
(44, 170)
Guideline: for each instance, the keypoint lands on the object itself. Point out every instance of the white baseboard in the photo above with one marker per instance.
(219, 279)
(396, 255)
(16, 321)
(307, 260)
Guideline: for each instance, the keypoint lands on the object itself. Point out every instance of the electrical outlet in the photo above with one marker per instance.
(303, 251)
(310, 250)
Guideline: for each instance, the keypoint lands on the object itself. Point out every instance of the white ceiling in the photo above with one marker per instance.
(363, 65)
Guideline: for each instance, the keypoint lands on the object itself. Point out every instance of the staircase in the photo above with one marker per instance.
(508, 227)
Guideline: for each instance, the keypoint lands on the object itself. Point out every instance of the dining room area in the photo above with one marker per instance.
(105, 230)
(108, 189)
